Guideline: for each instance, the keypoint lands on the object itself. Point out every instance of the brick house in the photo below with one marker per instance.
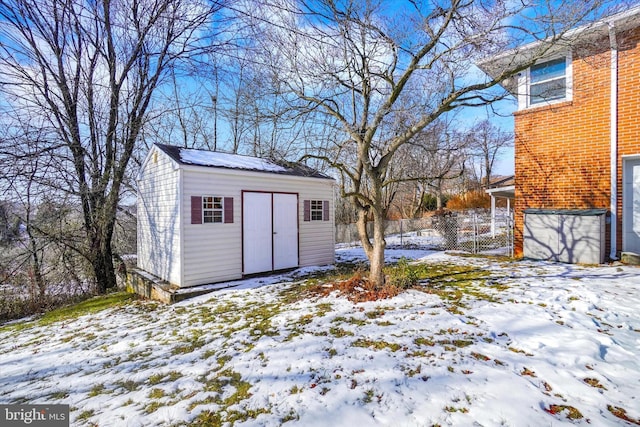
(577, 142)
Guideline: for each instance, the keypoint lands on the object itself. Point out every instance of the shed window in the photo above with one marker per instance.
(548, 81)
(212, 209)
(316, 210)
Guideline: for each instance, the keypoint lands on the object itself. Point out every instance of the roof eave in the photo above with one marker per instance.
(496, 65)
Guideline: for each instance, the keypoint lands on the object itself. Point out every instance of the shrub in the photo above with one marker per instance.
(402, 275)
(474, 199)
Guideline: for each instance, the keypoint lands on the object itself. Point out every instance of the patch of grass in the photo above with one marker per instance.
(356, 321)
(209, 353)
(304, 319)
(97, 390)
(621, 413)
(374, 314)
(85, 415)
(155, 379)
(226, 312)
(323, 308)
(368, 396)
(225, 379)
(139, 355)
(152, 407)
(456, 343)
(409, 372)
(291, 416)
(61, 394)
(424, 341)
(156, 393)
(452, 409)
(192, 343)
(340, 333)
(128, 385)
(259, 317)
(527, 372)
(295, 390)
(517, 350)
(73, 311)
(222, 360)
(571, 412)
(376, 345)
(453, 283)
(218, 419)
(385, 323)
(480, 356)
(593, 382)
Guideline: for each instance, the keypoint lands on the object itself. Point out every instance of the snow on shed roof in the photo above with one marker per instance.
(215, 159)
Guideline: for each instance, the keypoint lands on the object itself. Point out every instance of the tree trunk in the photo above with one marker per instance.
(376, 259)
(103, 268)
(102, 252)
(375, 250)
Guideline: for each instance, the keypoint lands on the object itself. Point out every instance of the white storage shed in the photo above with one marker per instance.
(207, 217)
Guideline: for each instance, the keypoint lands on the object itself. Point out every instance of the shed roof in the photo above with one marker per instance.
(215, 159)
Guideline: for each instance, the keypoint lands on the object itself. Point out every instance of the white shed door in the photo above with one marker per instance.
(285, 231)
(256, 232)
(269, 231)
(631, 206)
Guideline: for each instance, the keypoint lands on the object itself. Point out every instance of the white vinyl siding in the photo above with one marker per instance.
(214, 254)
(211, 253)
(158, 211)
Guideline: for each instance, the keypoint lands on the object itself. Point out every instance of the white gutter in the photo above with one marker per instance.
(614, 138)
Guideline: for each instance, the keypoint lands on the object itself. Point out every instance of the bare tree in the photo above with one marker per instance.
(488, 142)
(435, 157)
(86, 72)
(382, 72)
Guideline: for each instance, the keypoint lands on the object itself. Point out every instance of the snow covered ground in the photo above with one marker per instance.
(530, 343)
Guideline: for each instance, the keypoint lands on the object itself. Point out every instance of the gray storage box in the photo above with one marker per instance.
(565, 235)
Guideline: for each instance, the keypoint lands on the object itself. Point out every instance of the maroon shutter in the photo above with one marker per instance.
(196, 210)
(307, 210)
(228, 210)
(325, 210)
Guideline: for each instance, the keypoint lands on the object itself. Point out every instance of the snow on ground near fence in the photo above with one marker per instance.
(542, 344)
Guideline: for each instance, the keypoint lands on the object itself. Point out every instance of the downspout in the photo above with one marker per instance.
(614, 139)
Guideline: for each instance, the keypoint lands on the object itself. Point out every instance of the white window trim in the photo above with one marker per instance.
(316, 209)
(213, 209)
(524, 83)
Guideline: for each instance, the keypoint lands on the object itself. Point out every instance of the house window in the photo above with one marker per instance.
(212, 209)
(548, 81)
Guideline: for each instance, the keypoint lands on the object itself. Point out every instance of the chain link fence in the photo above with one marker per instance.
(476, 232)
